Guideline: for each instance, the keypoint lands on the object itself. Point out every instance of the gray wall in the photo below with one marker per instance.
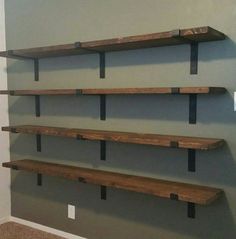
(124, 214)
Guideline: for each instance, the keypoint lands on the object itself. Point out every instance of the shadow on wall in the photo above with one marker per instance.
(58, 106)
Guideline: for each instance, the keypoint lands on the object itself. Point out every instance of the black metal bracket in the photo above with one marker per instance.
(103, 157)
(79, 92)
(39, 179)
(102, 58)
(102, 63)
(191, 160)
(38, 142)
(174, 197)
(103, 192)
(194, 58)
(82, 180)
(13, 130)
(174, 144)
(37, 105)
(192, 108)
(103, 188)
(36, 69)
(78, 44)
(175, 90)
(20, 57)
(193, 50)
(11, 92)
(103, 150)
(79, 137)
(191, 210)
(102, 107)
(14, 167)
(190, 205)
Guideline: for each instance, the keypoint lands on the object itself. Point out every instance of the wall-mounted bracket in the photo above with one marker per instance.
(36, 69)
(174, 144)
(14, 167)
(193, 50)
(102, 188)
(102, 107)
(192, 108)
(102, 63)
(11, 92)
(174, 196)
(191, 210)
(37, 105)
(194, 58)
(191, 206)
(82, 180)
(79, 92)
(175, 90)
(79, 137)
(191, 160)
(103, 192)
(38, 142)
(191, 156)
(103, 150)
(102, 58)
(12, 130)
(39, 179)
(20, 57)
(192, 105)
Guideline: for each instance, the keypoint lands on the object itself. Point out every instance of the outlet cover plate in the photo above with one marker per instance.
(71, 211)
(235, 101)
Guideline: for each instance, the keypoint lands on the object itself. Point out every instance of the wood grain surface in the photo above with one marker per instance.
(113, 91)
(184, 36)
(124, 137)
(186, 192)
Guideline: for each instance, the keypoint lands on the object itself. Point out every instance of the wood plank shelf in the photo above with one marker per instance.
(124, 137)
(191, 91)
(175, 37)
(114, 91)
(190, 143)
(190, 36)
(193, 194)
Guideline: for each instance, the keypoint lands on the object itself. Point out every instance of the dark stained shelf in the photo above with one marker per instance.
(184, 192)
(104, 91)
(184, 36)
(191, 91)
(124, 137)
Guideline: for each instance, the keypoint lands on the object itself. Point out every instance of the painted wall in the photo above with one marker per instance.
(4, 119)
(124, 214)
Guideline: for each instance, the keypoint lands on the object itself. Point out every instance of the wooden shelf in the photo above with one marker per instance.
(191, 91)
(154, 90)
(184, 36)
(124, 137)
(185, 192)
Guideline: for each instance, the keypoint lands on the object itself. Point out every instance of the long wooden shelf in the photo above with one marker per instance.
(184, 192)
(184, 36)
(111, 91)
(124, 137)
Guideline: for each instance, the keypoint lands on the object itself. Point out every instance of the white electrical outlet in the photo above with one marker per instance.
(71, 211)
(235, 101)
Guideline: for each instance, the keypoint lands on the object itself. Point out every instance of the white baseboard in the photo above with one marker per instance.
(43, 228)
(4, 220)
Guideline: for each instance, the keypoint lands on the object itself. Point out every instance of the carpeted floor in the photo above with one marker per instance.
(12, 230)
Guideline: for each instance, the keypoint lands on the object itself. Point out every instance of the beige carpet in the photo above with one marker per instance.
(12, 230)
